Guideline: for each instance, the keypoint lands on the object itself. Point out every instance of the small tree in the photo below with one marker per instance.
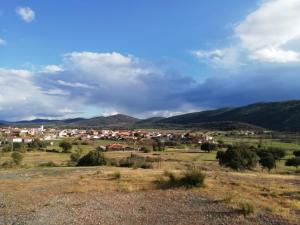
(66, 146)
(208, 147)
(268, 161)
(293, 162)
(17, 157)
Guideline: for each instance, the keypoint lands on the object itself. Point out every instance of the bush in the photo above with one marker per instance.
(17, 157)
(135, 161)
(116, 175)
(246, 208)
(293, 162)
(297, 153)
(145, 149)
(268, 161)
(7, 148)
(66, 146)
(208, 147)
(48, 164)
(38, 144)
(278, 153)
(238, 157)
(74, 157)
(93, 158)
(191, 178)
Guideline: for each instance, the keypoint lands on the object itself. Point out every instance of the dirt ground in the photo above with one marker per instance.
(91, 196)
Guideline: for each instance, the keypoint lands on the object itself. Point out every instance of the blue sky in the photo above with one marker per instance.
(145, 58)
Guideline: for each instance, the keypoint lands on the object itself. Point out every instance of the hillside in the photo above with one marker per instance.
(118, 120)
(281, 116)
(284, 116)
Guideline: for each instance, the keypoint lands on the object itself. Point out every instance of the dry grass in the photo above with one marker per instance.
(274, 193)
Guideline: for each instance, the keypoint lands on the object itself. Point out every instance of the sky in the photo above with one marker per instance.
(74, 58)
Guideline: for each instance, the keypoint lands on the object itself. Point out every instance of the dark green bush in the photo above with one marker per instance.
(297, 153)
(66, 146)
(93, 158)
(208, 147)
(293, 162)
(238, 157)
(278, 153)
(268, 161)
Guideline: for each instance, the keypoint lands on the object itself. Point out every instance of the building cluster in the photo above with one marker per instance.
(27, 135)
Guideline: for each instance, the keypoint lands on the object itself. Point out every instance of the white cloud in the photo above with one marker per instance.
(270, 34)
(267, 31)
(275, 55)
(26, 14)
(226, 58)
(2, 42)
(51, 69)
(74, 85)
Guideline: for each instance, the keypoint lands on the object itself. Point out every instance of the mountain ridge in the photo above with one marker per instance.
(280, 116)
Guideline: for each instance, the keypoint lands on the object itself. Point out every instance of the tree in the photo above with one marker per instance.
(17, 157)
(268, 161)
(293, 162)
(66, 146)
(93, 158)
(208, 147)
(296, 153)
(278, 153)
(238, 157)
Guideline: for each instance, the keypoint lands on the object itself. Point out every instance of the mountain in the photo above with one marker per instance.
(118, 120)
(282, 116)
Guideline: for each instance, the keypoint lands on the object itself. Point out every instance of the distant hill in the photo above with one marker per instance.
(282, 116)
(118, 120)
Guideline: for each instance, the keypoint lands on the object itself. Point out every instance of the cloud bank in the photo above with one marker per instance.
(261, 63)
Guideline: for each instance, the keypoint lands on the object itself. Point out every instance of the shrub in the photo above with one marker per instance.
(145, 149)
(48, 164)
(38, 144)
(191, 178)
(208, 147)
(116, 175)
(93, 158)
(135, 161)
(293, 162)
(297, 153)
(278, 153)
(246, 208)
(17, 157)
(238, 157)
(7, 148)
(268, 161)
(66, 146)
(74, 157)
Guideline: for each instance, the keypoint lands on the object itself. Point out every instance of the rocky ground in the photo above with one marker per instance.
(36, 198)
(142, 207)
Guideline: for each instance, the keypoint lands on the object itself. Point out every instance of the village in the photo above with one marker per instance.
(137, 137)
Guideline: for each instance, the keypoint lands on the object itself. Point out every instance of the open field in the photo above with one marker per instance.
(34, 194)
